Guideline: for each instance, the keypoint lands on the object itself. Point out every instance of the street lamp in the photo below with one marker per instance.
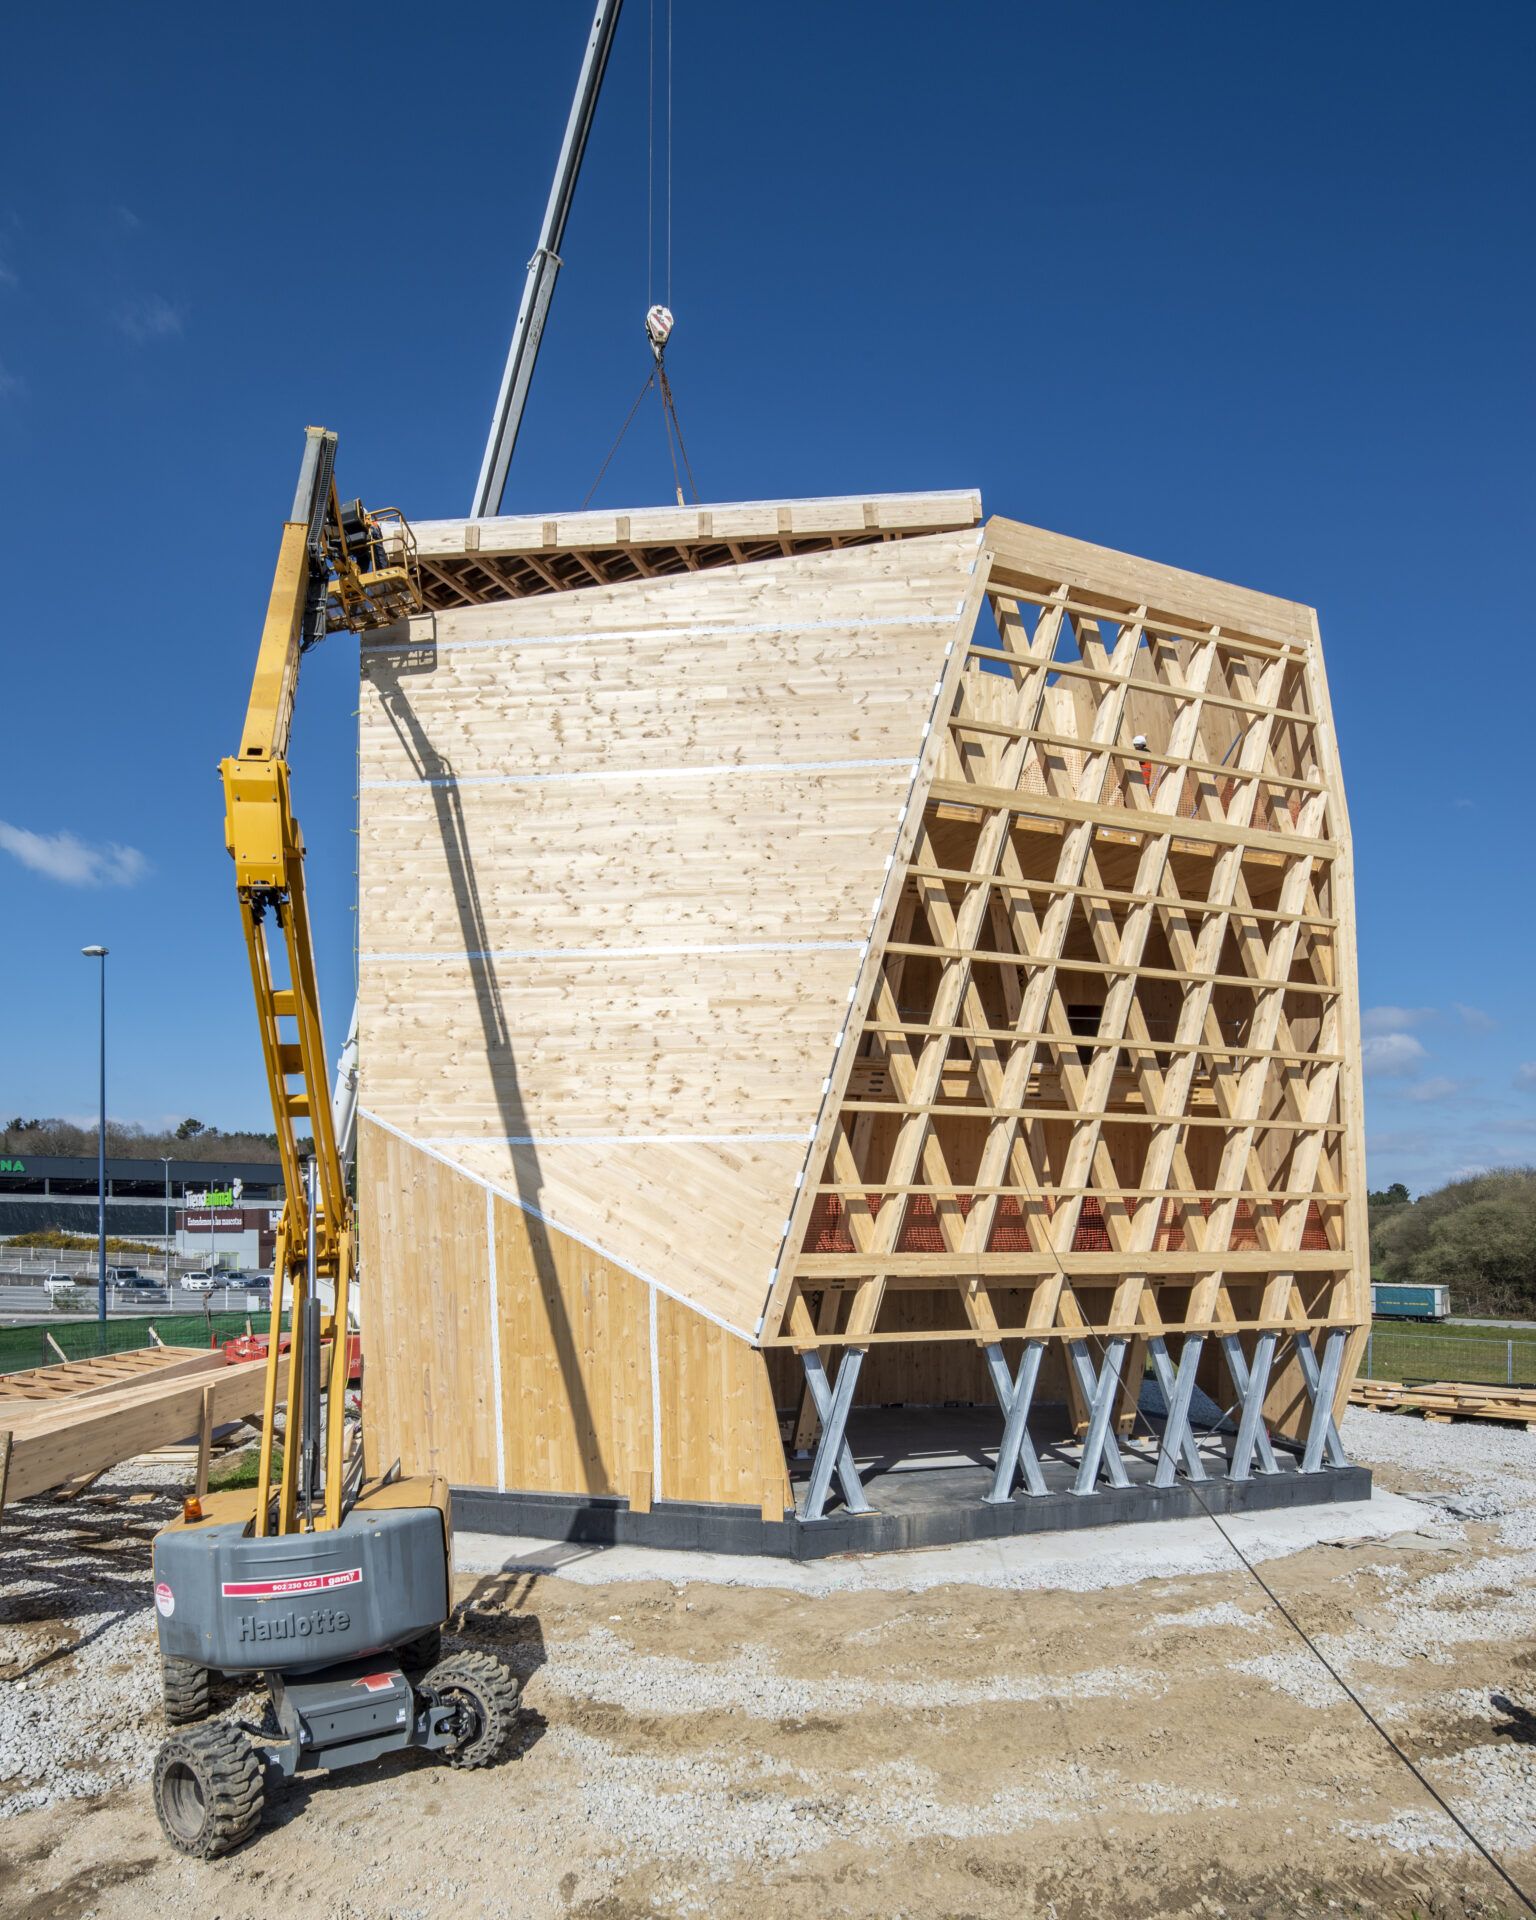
(167, 1158)
(100, 953)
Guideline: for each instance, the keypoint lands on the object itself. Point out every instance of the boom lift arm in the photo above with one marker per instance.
(332, 572)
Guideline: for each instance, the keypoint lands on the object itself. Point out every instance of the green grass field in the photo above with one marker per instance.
(27, 1346)
(1483, 1355)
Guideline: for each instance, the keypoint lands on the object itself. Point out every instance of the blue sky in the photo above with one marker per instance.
(1244, 289)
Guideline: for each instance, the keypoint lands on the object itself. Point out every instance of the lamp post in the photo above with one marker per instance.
(100, 953)
(166, 1158)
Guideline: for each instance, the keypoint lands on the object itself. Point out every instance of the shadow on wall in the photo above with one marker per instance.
(386, 669)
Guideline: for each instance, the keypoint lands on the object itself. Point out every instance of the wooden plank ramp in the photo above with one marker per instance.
(1443, 1400)
(54, 1442)
(104, 1373)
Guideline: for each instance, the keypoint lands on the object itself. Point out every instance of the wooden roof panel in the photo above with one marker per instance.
(476, 562)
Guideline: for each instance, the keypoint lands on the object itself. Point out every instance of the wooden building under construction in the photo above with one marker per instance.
(825, 961)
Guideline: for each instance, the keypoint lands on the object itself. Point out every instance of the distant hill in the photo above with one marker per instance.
(1476, 1236)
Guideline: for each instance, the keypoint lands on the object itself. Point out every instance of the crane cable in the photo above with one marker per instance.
(658, 319)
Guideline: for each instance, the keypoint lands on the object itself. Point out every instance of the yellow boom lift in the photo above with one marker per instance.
(332, 1587)
(333, 571)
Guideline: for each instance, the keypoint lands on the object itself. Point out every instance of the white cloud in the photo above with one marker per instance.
(63, 856)
(1475, 1018)
(1387, 1055)
(1438, 1088)
(1393, 1019)
(1525, 1076)
(149, 319)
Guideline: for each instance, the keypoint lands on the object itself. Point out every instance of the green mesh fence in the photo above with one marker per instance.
(1481, 1356)
(28, 1346)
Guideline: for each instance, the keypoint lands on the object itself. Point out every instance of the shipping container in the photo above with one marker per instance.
(1410, 1303)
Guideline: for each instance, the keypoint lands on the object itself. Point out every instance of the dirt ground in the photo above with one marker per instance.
(1163, 1747)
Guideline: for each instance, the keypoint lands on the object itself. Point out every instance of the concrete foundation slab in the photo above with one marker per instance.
(925, 1473)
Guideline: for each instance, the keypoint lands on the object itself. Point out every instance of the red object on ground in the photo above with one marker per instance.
(253, 1346)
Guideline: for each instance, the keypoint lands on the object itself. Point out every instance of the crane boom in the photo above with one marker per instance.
(543, 269)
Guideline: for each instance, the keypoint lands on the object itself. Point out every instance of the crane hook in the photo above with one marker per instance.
(658, 329)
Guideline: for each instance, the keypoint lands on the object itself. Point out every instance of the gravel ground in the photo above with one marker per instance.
(1155, 1743)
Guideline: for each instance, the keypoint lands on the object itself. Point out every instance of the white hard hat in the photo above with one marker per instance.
(1139, 742)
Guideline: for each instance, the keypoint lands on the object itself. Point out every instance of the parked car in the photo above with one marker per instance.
(203, 1281)
(129, 1279)
(58, 1283)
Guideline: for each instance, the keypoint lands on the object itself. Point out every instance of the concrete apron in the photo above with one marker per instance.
(1076, 1561)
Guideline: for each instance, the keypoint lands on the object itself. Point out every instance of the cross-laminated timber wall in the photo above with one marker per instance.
(777, 944)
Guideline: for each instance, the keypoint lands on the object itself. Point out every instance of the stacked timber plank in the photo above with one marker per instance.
(1443, 1400)
(52, 1441)
(103, 1373)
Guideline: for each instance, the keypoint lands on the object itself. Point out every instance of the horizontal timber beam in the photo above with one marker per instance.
(1088, 1331)
(1264, 1198)
(1105, 677)
(1218, 1050)
(1063, 963)
(959, 1267)
(953, 1110)
(1049, 884)
(1049, 806)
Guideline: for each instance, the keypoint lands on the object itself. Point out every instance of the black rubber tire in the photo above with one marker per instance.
(209, 1786)
(488, 1691)
(417, 1655)
(187, 1691)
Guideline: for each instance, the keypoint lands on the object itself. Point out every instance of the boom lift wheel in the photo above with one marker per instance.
(209, 1787)
(485, 1694)
(187, 1691)
(417, 1655)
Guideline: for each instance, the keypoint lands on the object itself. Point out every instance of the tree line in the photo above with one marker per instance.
(191, 1140)
(1476, 1236)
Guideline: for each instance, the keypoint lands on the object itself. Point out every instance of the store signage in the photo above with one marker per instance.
(216, 1196)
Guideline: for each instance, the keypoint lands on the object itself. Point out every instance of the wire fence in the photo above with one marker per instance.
(49, 1343)
(1425, 1353)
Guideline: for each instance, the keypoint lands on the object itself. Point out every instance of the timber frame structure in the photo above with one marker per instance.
(829, 954)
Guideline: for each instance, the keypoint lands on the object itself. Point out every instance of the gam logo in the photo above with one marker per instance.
(13, 1166)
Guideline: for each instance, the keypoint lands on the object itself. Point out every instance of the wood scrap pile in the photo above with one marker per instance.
(1442, 1400)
